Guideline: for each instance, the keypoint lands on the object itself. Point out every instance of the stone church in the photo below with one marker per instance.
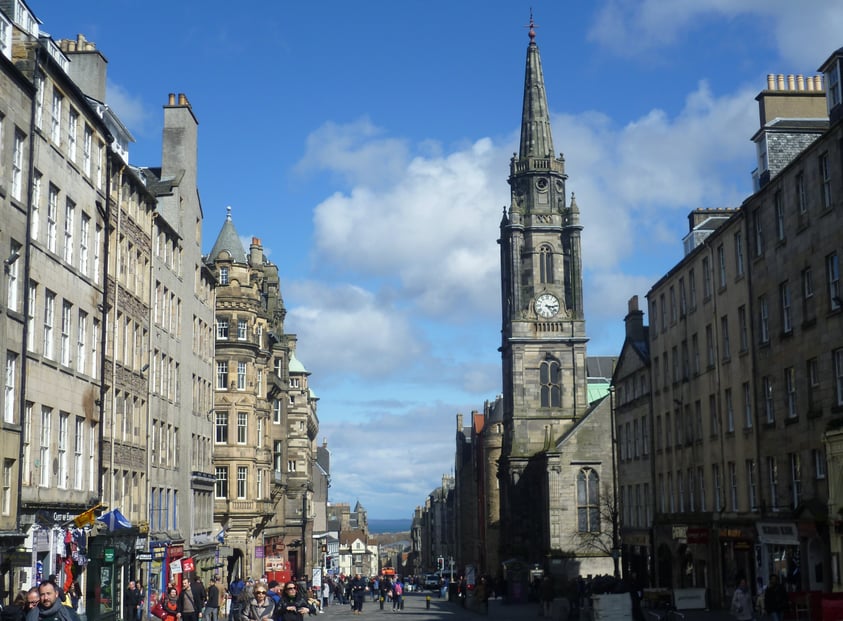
(555, 469)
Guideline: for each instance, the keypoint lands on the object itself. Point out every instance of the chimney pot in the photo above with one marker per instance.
(780, 81)
(182, 99)
(771, 82)
(800, 82)
(171, 100)
(791, 83)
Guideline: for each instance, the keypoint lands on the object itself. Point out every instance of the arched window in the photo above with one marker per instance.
(588, 501)
(550, 381)
(546, 264)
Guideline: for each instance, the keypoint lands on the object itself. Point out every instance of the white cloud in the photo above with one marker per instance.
(804, 36)
(129, 108)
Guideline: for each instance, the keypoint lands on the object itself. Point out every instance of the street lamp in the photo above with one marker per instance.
(616, 552)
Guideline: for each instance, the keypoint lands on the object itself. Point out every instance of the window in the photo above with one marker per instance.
(801, 200)
(78, 446)
(17, 165)
(784, 297)
(49, 321)
(692, 289)
(808, 313)
(695, 353)
(221, 428)
(44, 459)
(242, 427)
(276, 411)
(35, 219)
(683, 302)
(818, 457)
(223, 275)
(739, 254)
(221, 486)
(730, 412)
(680, 491)
(692, 504)
(712, 417)
(86, 150)
(277, 455)
(260, 433)
(664, 312)
(706, 270)
(773, 482)
(291, 465)
(97, 246)
(733, 485)
(751, 487)
(95, 332)
(39, 101)
(709, 345)
(12, 276)
(767, 389)
(790, 392)
(82, 342)
(662, 495)
(6, 506)
(241, 329)
(832, 270)
(550, 384)
(52, 217)
(718, 487)
(11, 383)
(55, 117)
(241, 481)
(778, 204)
(721, 266)
(673, 309)
(825, 180)
(84, 234)
(72, 128)
(66, 310)
(795, 479)
(744, 333)
(64, 417)
(546, 264)
(747, 406)
(222, 329)
(701, 487)
(241, 376)
(763, 320)
(838, 375)
(724, 329)
(222, 375)
(812, 372)
(757, 223)
(588, 501)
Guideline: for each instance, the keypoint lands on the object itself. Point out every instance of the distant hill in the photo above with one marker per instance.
(390, 526)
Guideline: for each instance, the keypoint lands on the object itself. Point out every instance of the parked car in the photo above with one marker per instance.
(431, 582)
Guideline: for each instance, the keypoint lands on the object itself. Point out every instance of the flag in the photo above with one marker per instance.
(114, 520)
(86, 518)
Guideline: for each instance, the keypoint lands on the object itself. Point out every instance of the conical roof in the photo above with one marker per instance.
(536, 140)
(229, 240)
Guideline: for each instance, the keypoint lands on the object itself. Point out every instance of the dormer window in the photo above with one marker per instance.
(833, 97)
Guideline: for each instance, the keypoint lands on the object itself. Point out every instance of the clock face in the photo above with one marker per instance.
(546, 305)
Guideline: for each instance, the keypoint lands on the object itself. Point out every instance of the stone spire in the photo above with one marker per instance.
(536, 140)
(229, 240)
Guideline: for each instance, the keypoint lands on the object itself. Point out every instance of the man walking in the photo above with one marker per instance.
(132, 602)
(50, 607)
(212, 607)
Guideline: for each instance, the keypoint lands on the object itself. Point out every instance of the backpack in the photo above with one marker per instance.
(397, 588)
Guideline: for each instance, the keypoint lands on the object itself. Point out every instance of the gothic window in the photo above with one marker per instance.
(588, 501)
(546, 264)
(550, 383)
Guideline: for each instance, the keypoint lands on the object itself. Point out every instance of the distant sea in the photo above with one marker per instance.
(390, 526)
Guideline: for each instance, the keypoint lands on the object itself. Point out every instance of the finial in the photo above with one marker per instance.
(532, 28)
(228, 214)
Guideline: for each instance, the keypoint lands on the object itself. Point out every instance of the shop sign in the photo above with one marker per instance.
(259, 552)
(143, 557)
(697, 534)
(781, 533)
(187, 565)
(159, 552)
(680, 532)
(176, 551)
(108, 555)
(175, 567)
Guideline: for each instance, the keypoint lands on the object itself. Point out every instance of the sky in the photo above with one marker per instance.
(367, 145)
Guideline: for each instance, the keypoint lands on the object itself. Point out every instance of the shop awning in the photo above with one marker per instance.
(780, 533)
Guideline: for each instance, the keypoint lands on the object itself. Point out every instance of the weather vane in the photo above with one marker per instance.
(532, 27)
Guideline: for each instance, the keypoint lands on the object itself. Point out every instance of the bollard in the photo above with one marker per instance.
(381, 602)
(427, 602)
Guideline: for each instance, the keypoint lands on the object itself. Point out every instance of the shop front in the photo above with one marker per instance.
(111, 563)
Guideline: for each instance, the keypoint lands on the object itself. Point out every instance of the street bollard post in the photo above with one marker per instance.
(427, 602)
(382, 602)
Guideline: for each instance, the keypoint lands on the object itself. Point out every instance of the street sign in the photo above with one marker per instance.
(144, 557)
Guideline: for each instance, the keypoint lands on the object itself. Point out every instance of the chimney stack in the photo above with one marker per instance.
(634, 321)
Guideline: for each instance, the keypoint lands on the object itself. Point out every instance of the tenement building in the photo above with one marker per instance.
(746, 355)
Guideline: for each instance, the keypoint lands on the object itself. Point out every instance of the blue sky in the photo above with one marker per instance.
(367, 144)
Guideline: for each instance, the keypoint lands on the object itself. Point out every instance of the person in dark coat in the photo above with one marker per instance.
(358, 593)
(16, 611)
(293, 606)
(775, 599)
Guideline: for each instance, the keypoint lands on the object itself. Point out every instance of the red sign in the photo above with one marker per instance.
(187, 565)
(697, 535)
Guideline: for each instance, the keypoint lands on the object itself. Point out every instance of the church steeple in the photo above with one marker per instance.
(536, 139)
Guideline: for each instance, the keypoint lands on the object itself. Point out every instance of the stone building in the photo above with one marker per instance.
(555, 470)
(744, 334)
(55, 208)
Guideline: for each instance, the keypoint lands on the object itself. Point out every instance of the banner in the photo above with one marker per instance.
(187, 565)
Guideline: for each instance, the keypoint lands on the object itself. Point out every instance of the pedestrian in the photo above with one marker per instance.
(189, 608)
(212, 605)
(293, 604)
(16, 611)
(170, 605)
(49, 607)
(397, 595)
(546, 593)
(775, 599)
(131, 601)
(742, 608)
(358, 592)
(326, 593)
(235, 592)
(261, 607)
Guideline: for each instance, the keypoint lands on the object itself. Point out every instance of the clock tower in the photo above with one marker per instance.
(543, 344)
